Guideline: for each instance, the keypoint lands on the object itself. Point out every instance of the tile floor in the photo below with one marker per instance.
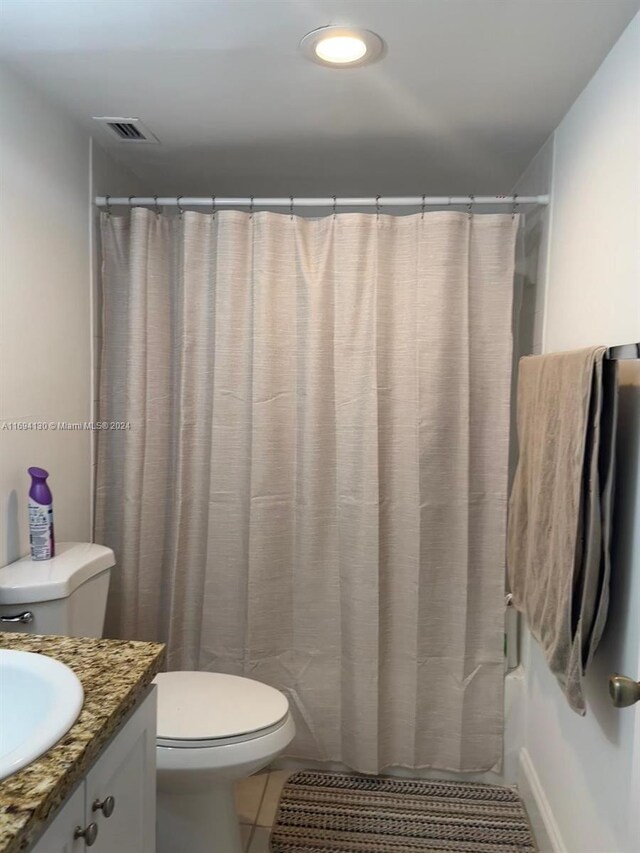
(256, 803)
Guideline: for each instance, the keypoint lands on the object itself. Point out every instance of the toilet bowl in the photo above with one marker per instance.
(213, 729)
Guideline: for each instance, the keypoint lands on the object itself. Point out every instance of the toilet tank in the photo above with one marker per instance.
(66, 595)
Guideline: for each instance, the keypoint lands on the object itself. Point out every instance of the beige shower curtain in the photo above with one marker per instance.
(312, 487)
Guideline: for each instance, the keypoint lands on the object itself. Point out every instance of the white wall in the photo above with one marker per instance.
(594, 272)
(49, 260)
(44, 311)
(585, 766)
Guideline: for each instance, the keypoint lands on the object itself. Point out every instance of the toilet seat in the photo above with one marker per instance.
(203, 743)
(200, 710)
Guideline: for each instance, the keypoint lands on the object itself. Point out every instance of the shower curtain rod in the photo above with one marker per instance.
(292, 201)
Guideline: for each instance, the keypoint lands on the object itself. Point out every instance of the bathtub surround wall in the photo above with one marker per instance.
(582, 775)
(318, 461)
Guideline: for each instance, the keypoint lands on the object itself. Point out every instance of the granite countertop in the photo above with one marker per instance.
(115, 675)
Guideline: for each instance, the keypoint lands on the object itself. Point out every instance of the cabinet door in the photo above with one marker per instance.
(126, 771)
(59, 836)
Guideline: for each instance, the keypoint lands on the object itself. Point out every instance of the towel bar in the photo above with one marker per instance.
(623, 351)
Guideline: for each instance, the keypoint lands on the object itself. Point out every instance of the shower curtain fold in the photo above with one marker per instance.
(312, 491)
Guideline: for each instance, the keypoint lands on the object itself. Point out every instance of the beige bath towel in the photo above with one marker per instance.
(560, 507)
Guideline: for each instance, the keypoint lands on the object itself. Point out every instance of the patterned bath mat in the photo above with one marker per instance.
(337, 813)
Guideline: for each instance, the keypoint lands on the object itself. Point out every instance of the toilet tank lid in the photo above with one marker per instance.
(28, 581)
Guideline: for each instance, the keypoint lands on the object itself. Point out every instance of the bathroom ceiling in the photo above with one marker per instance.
(466, 94)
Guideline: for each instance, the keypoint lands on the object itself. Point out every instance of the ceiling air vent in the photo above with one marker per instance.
(127, 129)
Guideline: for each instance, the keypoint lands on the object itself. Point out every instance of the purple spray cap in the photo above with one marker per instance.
(40, 491)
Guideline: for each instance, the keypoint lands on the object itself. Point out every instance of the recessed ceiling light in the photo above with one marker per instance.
(341, 47)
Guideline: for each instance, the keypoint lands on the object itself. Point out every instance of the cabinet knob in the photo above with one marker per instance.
(106, 806)
(89, 833)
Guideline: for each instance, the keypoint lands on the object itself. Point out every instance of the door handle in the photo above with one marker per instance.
(624, 691)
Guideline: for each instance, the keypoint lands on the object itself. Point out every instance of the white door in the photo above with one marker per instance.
(59, 837)
(121, 787)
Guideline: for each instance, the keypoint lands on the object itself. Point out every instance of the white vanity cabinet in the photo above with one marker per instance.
(113, 810)
(59, 837)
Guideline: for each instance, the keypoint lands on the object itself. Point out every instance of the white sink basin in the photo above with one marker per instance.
(40, 699)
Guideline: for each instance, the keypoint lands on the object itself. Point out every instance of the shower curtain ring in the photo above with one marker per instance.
(130, 202)
(251, 207)
(377, 207)
(291, 207)
(514, 208)
(470, 205)
(179, 206)
(108, 205)
(156, 206)
(213, 206)
(335, 201)
(422, 206)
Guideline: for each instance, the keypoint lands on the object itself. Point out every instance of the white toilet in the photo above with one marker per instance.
(212, 728)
